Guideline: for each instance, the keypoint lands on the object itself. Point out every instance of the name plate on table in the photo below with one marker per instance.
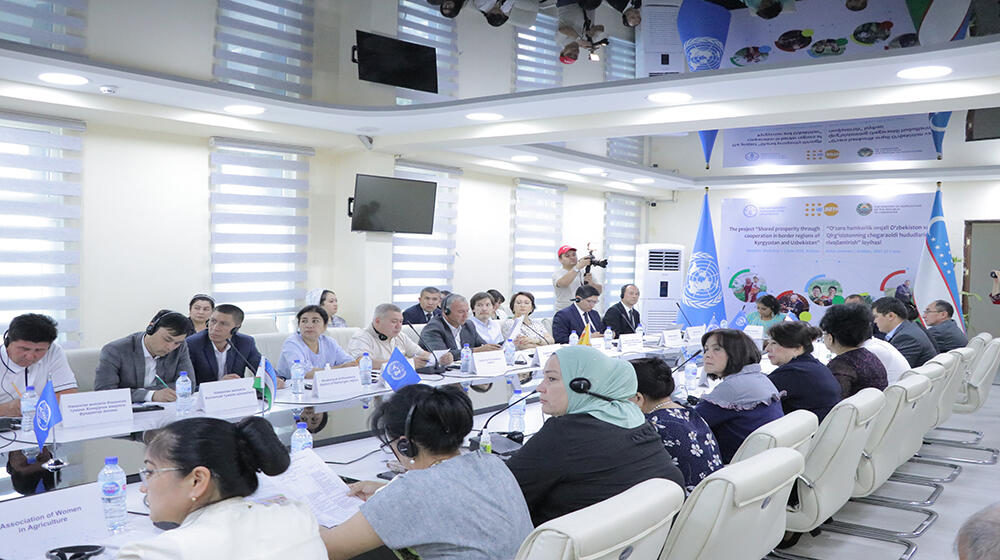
(542, 353)
(228, 394)
(490, 363)
(630, 343)
(694, 334)
(30, 526)
(340, 383)
(96, 407)
(672, 338)
(754, 331)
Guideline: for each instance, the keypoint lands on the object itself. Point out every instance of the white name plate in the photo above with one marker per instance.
(490, 363)
(96, 407)
(672, 338)
(336, 384)
(42, 522)
(630, 343)
(694, 334)
(542, 353)
(228, 394)
(754, 331)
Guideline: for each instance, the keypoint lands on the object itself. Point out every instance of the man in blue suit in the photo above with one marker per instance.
(426, 307)
(911, 341)
(574, 317)
(220, 351)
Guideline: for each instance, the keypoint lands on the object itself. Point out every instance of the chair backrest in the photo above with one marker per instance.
(828, 479)
(342, 335)
(633, 524)
(955, 379)
(794, 430)
(738, 512)
(890, 443)
(259, 325)
(83, 363)
(984, 370)
(978, 343)
(928, 407)
(414, 336)
(270, 345)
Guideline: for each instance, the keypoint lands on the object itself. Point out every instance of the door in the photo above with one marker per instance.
(982, 255)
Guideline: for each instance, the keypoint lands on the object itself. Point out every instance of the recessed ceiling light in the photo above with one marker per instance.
(619, 185)
(668, 97)
(484, 116)
(524, 159)
(566, 176)
(591, 170)
(923, 72)
(643, 181)
(244, 110)
(62, 79)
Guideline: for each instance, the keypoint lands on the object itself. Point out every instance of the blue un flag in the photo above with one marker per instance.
(398, 372)
(702, 297)
(47, 414)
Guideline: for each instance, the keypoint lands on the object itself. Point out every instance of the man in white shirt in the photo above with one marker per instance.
(570, 276)
(30, 356)
(384, 335)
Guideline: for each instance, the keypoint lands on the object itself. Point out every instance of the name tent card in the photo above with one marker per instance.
(337, 383)
(754, 331)
(694, 334)
(69, 516)
(490, 363)
(228, 394)
(672, 338)
(630, 343)
(542, 353)
(96, 407)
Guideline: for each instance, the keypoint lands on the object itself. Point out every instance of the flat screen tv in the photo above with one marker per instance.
(393, 205)
(385, 60)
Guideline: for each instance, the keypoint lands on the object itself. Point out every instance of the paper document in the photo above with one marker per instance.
(515, 330)
(311, 481)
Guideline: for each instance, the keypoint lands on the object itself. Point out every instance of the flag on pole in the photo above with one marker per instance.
(585, 339)
(702, 296)
(266, 381)
(704, 28)
(47, 414)
(398, 372)
(739, 321)
(936, 272)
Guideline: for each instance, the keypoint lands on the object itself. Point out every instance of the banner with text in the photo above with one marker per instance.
(811, 252)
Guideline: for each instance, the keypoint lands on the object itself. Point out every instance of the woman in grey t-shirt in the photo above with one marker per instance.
(447, 505)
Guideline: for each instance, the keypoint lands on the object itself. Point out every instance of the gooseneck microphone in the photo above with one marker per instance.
(437, 368)
(495, 414)
(253, 369)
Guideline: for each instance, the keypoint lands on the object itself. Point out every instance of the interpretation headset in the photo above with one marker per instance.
(404, 444)
(625, 287)
(380, 335)
(6, 338)
(582, 385)
(159, 317)
(446, 304)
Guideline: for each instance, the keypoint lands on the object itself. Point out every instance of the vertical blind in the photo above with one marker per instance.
(40, 170)
(426, 260)
(259, 213)
(619, 64)
(622, 231)
(265, 45)
(419, 22)
(53, 24)
(537, 226)
(536, 55)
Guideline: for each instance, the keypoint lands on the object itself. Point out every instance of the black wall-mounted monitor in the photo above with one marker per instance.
(393, 205)
(386, 60)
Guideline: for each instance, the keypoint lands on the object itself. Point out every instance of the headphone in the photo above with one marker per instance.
(6, 338)
(234, 330)
(582, 385)
(625, 287)
(446, 304)
(156, 322)
(403, 444)
(377, 333)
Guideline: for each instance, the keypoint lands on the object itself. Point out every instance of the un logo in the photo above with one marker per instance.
(703, 53)
(750, 211)
(751, 156)
(703, 288)
(395, 371)
(43, 414)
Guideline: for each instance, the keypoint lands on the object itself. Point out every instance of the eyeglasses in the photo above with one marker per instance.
(144, 474)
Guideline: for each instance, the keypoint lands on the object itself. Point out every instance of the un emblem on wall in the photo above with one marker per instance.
(703, 53)
(703, 288)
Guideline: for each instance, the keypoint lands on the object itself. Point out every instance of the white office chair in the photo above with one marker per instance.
(269, 345)
(794, 430)
(83, 363)
(342, 335)
(954, 362)
(414, 336)
(981, 376)
(737, 512)
(978, 343)
(925, 417)
(955, 392)
(633, 524)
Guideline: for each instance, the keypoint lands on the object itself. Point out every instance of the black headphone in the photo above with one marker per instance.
(625, 287)
(6, 338)
(377, 333)
(156, 321)
(234, 330)
(74, 552)
(582, 385)
(446, 304)
(403, 444)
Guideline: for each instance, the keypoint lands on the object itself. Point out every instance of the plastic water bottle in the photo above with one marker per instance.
(111, 481)
(301, 438)
(365, 365)
(574, 338)
(183, 388)
(508, 351)
(515, 413)
(485, 442)
(640, 331)
(28, 402)
(466, 359)
(609, 336)
(298, 372)
(690, 376)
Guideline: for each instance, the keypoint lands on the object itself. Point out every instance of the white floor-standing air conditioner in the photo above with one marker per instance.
(659, 273)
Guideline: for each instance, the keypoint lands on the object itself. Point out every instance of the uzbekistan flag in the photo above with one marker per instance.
(936, 273)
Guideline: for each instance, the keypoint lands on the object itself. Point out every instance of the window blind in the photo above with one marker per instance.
(265, 45)
(537, 227)
(622, 231)
(619, 64)
(536, 55)
(421, 23)
(259, 219)
(40, 191)
(426, 260)
(53, 24)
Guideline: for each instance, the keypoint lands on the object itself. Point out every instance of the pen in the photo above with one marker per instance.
(165, 386)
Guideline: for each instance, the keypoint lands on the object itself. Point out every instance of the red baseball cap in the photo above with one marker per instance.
(565, 249)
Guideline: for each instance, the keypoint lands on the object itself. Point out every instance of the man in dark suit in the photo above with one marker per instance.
(136, 361)
(622, 317)
(942, 327)
(576, 316)
(426, 307)
(908, 338)
(220, 352)
(450, 331)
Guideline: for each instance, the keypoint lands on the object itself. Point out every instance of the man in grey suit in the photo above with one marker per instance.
(450, 331)
(942, 327)
(135, 362)
(908, 338)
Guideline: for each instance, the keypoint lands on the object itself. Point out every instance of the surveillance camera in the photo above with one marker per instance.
(108, 90)
(652, 204)
(366, 141)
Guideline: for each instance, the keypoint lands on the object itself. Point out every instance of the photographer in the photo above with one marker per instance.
(995, 292)
(573, 274)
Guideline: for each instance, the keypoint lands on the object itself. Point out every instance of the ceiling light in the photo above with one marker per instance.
(643, 181)
(591, 170)
(61, 79)
(243, 110)
(619, 185)
(595, 57)
(484, 116)
(524, 159)
(923, 72)
(668, 97)
(566, 176)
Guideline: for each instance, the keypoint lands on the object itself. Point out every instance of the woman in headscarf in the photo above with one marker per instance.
(597, 443)
(328, 301)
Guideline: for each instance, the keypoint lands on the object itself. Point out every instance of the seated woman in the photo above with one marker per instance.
(532, 333)
(199, 310)
(197, 472)
(845, 329)
(447, 504)
(597, 443)
(499, 313)
(482, 318)
(768, 312)
(683, 432)
(310, 346)
(805, 383)
(328, 301)
(745, 400)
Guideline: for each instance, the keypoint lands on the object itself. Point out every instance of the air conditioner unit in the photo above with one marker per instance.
(659, 273)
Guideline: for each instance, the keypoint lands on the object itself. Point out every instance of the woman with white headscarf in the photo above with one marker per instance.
(328, 301)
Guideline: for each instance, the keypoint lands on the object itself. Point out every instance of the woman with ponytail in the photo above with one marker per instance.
(196, 475)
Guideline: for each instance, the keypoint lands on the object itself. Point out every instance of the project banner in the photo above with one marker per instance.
(811, 252)
(902, 138)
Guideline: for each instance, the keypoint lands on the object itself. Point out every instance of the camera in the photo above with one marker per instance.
(602, 263)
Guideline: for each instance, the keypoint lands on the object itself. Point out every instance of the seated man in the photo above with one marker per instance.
(384, 335)
(450, 331)
(220, 351)
(908, 338)
(623, 317)
(31, 356)
(426, 307)
(146, 360)
(576, 316)
(942, 327)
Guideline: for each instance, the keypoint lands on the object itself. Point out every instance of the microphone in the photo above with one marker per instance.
(690, 399)
(681, 309)
(516, 437)
(495, 414)
(525, 325)
(240, 354)
(437, 368)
